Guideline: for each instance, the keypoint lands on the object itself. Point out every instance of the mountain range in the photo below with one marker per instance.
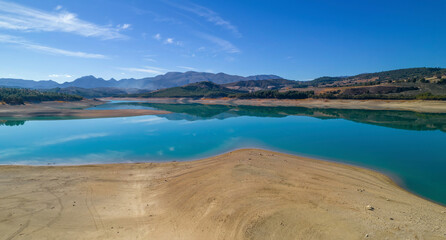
(412, 83)
(170, 79)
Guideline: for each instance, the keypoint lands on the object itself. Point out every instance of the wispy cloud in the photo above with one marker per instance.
(123, 26)
(150, 58)
(60, 76)
(72, 138)
(157, 36)
(18, 17)
(224, 45)
(187, 68)
(157, 17)
(147, 69)
(167, 40)
(46, 49)
(209, 15)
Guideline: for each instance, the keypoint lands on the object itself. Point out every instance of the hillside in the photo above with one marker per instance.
(20, 96)
(21, 83)
(256, 85)
(193, 90)
(411, 83)
(93, 92)
(408, 75)
(170, 79)
(414, 83)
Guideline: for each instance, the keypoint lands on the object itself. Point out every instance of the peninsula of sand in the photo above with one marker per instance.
(244, 194)
(56, 109)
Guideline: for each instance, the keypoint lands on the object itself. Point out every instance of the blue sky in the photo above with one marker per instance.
(301, 40)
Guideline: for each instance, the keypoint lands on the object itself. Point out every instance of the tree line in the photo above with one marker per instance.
(274, 94)
(21, 95)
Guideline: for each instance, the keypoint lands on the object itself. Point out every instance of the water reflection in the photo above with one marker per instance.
(394, 119)
(11, 123)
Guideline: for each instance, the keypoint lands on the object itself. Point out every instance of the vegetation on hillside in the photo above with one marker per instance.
(20, 96)
(89, 92)
(275, 94)
(194, 90)
(262, 84)
(408, 75)
(412, 83)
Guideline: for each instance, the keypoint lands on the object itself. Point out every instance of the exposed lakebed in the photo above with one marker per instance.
(405, 145)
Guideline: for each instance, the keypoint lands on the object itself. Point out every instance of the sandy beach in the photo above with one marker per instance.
(400, 105)
(244, 194)
(56, 109)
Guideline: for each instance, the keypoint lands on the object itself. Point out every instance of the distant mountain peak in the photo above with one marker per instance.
(170, 79)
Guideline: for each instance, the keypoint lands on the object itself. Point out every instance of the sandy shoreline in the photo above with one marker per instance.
(69, 110)
(244, 194)
(401, 105)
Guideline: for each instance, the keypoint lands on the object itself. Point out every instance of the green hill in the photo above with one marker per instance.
(255, 85)
(412, 75)
(193, 90)
(411, 83)
(90, 92)
(21, 95)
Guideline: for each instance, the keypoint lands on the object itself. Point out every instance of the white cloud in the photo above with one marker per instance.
(168, 41)
(123, 26)
(60, 76)
(187, 68)
(157, 36)
(58, 7)
(149, 58)
(46, 49)
(72, 138)
(18, 17)
(147, 69)
(209, 15)
(224, 45)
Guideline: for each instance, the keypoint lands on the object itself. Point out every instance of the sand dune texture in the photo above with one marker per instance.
(245, 194)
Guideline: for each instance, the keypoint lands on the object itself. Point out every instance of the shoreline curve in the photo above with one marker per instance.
(242, 194)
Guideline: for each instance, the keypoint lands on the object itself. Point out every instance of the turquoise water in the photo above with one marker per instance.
(405, 145)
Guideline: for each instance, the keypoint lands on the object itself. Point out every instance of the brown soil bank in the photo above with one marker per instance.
(399, 105)
(69, 109)
(245, 194)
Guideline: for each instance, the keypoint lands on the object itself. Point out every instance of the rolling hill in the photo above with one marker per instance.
(256, 85)
(193, 90)
(413, 83)
(93, 92)
(21, 95)
(424, 75)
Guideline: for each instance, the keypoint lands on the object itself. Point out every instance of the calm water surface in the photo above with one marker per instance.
(407, 146)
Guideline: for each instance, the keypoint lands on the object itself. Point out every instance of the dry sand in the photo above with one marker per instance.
(245, 194)
(69, 109)
(401, 105)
